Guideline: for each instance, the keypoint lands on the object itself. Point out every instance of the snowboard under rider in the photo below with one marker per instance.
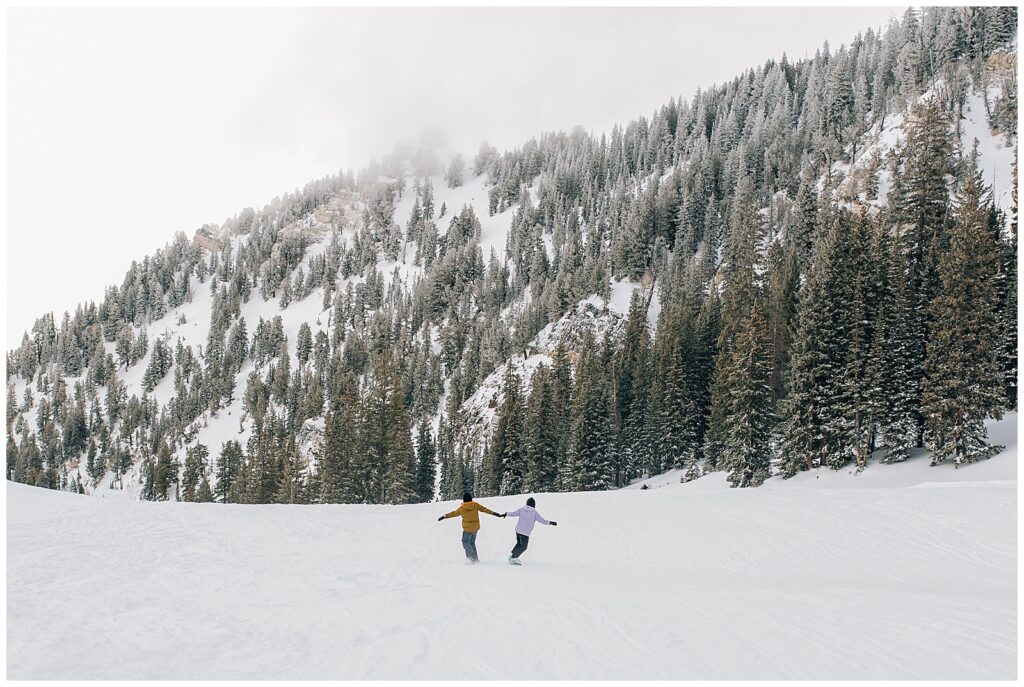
(470, 511)
(528, 517)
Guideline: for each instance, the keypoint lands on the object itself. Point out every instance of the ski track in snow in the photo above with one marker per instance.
(894, 578)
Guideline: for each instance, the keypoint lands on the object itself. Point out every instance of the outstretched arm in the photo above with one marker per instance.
(485, 509)
(515, 513)
(455, 512)
(541, 520)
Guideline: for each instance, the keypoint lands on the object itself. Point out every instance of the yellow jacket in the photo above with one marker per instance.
(470, 512)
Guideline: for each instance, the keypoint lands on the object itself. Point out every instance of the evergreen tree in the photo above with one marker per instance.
(229, 468)
(900, 383)
(675, 425)
(425, 467)
(540, 434)
(95, 466)
(561, 413)
(291, 484)
(1006, 286)
(204, 494)
(862, 405)
(455, 172)
(815, 432)
(304, 345)
(338, 462)
(590, 453)
(164, 474)
(160, 362)
(262, 473)
(390, 474)
(962, 385)
(507, 456)
(194, 472)
(631, 388)
(920, 198)
(749, 414)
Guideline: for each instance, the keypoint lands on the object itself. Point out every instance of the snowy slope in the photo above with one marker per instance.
(594, 313)
(996, 151)
(213, 430)
(190, 322)
(695, 580)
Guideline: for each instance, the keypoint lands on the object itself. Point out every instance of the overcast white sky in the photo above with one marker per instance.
(128, 124)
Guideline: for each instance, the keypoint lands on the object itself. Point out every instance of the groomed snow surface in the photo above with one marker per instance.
(901, 572)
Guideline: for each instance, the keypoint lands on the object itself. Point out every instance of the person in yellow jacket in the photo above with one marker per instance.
(470, 511)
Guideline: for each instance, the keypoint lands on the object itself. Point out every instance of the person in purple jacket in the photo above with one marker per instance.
(528, 517)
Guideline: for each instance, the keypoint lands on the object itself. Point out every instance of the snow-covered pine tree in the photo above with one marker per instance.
(562, 400)
(899, 382)
(750, 409)
(425, 465)
(291, 481)
(337, 462)
(195, 469)
(741, 291)
(304, 344)
(632, 383)
(676, 437)
(589, 461)
(540, 434)
(919, 205)
(1007, 309)
(160, 361)
(507, 461)
(783, 283)
(814, 428)
(455, 172)
(204, 494)
(963, 384)
(859, 381)
(262, 473)
(388, 474)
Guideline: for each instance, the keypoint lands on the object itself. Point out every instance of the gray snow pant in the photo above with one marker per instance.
(469, 544)
(522, 541)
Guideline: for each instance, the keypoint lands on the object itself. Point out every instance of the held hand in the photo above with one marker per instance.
(504, 515)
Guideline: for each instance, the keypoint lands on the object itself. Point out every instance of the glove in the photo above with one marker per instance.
(554, 523)
(504, 515)
(440, 518)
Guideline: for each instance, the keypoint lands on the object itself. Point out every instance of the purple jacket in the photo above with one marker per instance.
(527, 518)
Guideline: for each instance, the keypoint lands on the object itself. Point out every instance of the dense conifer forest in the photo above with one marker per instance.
(815, 266)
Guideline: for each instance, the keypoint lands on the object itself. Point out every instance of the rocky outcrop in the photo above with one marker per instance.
(206, 238)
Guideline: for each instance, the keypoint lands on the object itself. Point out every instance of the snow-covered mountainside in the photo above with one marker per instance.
(756, 281)
(901, 572)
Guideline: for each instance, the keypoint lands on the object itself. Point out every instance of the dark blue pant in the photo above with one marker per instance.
(469, 544)
(522, 541)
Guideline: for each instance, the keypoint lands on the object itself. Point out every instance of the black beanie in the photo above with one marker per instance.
(530, 502)
(467, 496)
